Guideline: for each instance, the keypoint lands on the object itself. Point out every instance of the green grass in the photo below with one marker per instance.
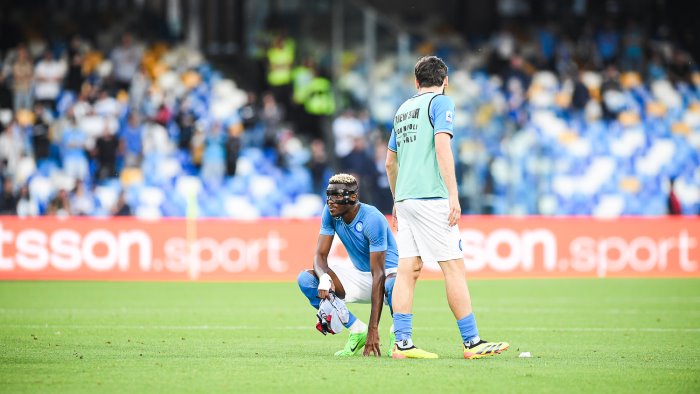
(596, 335)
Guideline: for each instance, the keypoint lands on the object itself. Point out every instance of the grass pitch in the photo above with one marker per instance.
(595, 335)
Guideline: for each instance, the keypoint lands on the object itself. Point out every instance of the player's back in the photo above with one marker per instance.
(414, 133)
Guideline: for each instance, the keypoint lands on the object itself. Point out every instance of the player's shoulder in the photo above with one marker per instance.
(442, 100)
(370, 211)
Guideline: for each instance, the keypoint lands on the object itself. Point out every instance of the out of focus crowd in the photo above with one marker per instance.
(599, 120)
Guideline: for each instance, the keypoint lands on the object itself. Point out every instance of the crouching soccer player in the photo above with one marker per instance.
(365, 233)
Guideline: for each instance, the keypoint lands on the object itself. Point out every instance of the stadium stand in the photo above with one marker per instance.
(606, 123)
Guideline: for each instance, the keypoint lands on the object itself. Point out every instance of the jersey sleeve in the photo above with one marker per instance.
(375, 230)
(442, 112)
(327, 223)
(392, 141)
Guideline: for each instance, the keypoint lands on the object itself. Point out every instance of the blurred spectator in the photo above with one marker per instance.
(40, 134)
(105, 152)
(8, 199)
(185, 122)
(360, 164)
(384, 201)
(319, 167)
(13, 145)
(214, 155)
(5, 92)
(280, 60)
(59, 204)
(319, 105)
(633, 50)
(82, 202)
(48, 77)
(346, 128)
(121, 208)
(22, 76)
(611, 92)
(580, 95)
(271, 116)
(126, 59)
(234, 129)
(608, 41)
(73, 155)
(131, 136)
(76, 56)
(106, 105)
(27, 206)
(250, 116)
(674, 204)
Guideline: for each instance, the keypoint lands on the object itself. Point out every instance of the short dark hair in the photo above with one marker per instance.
(430, 71)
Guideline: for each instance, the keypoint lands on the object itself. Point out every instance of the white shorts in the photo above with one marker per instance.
(424, 231)
(357, 284)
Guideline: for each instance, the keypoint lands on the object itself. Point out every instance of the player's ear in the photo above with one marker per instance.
(417, 84)
(446, 82)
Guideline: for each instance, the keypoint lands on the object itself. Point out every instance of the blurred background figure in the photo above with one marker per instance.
(565, 108)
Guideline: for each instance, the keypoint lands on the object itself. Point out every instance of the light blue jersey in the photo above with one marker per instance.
(368, 232)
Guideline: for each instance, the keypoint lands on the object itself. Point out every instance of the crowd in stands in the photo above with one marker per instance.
(605, 121)
(592, 120)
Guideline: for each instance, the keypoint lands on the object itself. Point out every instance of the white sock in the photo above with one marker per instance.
(405, 343)
(357, 327)
(472, 341)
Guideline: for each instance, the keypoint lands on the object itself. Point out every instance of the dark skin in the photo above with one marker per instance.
(377, 262)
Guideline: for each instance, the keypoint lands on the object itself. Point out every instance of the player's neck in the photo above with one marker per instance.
(349, 216)
(431, 89)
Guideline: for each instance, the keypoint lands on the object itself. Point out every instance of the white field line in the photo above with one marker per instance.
(510, 310)
(310, 328)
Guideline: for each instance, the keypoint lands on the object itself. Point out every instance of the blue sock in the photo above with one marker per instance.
(467, 327)
(308, 284)
(388, 290)
(403, 325)
(350, 320)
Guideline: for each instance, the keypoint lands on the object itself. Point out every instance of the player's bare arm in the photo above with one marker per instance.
(323, 248)
(377, 264)
(446, 165)
(392, 172)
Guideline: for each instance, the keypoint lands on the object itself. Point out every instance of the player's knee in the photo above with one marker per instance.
(307, 280)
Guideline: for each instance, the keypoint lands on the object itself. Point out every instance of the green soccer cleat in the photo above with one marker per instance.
(483, 349)
(353, 346)
(413, 352)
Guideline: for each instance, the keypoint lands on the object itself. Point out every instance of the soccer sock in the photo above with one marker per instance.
(351, 321)
(389, 289)
(402, 329)
(357, 327)
(308, 284)
(467, 327)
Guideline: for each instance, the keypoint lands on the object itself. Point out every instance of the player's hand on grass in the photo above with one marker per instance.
(372, 344)
(455, 211)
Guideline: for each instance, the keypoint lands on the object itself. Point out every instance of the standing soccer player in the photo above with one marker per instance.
(421, 174)
(365, 233)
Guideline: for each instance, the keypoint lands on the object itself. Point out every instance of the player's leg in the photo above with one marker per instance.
(358, 289)
(388, 291)
(410, 265)
(460, 303)
(402, 299)
(308, 284)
